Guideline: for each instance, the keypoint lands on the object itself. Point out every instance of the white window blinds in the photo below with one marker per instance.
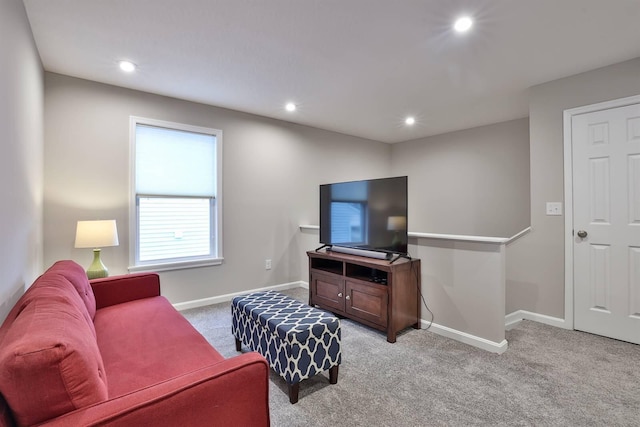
(172, 228)
(175, 162)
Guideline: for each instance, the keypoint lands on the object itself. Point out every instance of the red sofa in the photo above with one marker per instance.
(114, 352)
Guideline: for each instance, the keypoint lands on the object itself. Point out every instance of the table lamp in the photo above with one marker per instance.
(96, 235)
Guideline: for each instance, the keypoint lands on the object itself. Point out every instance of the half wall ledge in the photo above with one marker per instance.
(464, 278)
(459, 237)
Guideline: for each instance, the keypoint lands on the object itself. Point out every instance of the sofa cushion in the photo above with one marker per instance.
(68, 269)
(78, 278)
(49, 359)
(48, 285)
(139, 353)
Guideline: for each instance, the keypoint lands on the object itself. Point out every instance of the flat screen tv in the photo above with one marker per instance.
(368, 215)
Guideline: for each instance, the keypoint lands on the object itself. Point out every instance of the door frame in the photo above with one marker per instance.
(568, 194)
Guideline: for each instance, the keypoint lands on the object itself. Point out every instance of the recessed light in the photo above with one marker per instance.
(127, 66)
(290, 107)
(463, 24)
(410, 121)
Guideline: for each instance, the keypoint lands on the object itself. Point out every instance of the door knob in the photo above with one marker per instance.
(582, 234)
(339, 294)
(348, 297)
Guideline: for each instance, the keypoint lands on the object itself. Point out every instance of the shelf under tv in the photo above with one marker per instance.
(371, 291)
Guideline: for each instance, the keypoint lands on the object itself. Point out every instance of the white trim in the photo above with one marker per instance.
(568, 219)
(218, 197)
(568, 194)
(463, 337)
(176, 265)
(511, 320)
(481, 239)
(444, 331)
(518, 235)
(228, 297)
(132, 189)
(309, 227)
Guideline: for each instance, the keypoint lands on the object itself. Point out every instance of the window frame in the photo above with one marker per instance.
(135, 265)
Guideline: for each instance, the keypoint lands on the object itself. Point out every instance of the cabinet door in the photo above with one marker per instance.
(367, 301)
(327, 290)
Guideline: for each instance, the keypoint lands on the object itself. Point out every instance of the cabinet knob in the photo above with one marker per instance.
(348, 297)
(340, 294)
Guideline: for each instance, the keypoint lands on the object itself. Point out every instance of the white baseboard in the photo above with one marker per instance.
(228, 297)
(466, 338)
(511, 320)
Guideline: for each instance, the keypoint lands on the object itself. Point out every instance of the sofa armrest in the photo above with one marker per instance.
(127, 287)
(234, 391)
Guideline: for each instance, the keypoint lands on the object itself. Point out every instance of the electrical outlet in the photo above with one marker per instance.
(267, 264)
(554, 208)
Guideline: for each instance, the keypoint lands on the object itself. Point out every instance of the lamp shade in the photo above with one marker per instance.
(395, 223)
(96, 234)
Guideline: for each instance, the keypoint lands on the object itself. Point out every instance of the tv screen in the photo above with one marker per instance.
(369, 214)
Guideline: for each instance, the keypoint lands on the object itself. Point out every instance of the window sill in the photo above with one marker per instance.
(181, 265)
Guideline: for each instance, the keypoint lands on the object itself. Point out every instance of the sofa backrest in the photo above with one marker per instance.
(78, 278)
(50, 363)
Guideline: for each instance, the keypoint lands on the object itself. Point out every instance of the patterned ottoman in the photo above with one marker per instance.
(297, 340)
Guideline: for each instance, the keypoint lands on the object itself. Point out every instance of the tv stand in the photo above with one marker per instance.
(373, 292)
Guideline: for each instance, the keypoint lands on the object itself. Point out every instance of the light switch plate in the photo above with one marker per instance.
(554, 208)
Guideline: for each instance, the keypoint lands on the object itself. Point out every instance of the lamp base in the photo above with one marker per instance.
(97, 269)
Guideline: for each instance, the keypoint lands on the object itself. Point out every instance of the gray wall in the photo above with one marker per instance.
(21, 103)
(535, 263)
(271, 173)
(470, 182)
(463, 284)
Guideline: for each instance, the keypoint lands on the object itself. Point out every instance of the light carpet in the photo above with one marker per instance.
(547, 377)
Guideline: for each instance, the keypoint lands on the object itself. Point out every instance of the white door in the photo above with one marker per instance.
(606, 222)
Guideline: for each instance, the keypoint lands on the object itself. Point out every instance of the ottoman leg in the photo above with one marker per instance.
(293, 392)
(333, 374)
(238, 345)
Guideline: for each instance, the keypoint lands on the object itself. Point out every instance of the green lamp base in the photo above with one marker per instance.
(97, 269)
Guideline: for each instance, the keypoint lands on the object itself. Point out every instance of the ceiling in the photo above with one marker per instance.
(357, 67)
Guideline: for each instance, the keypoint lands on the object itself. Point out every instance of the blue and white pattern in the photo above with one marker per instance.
(298, 341)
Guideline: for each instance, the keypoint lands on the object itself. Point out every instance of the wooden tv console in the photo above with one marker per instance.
(370, 291)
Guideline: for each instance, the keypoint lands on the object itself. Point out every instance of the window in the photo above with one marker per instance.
(176, 195)
(348, 222)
